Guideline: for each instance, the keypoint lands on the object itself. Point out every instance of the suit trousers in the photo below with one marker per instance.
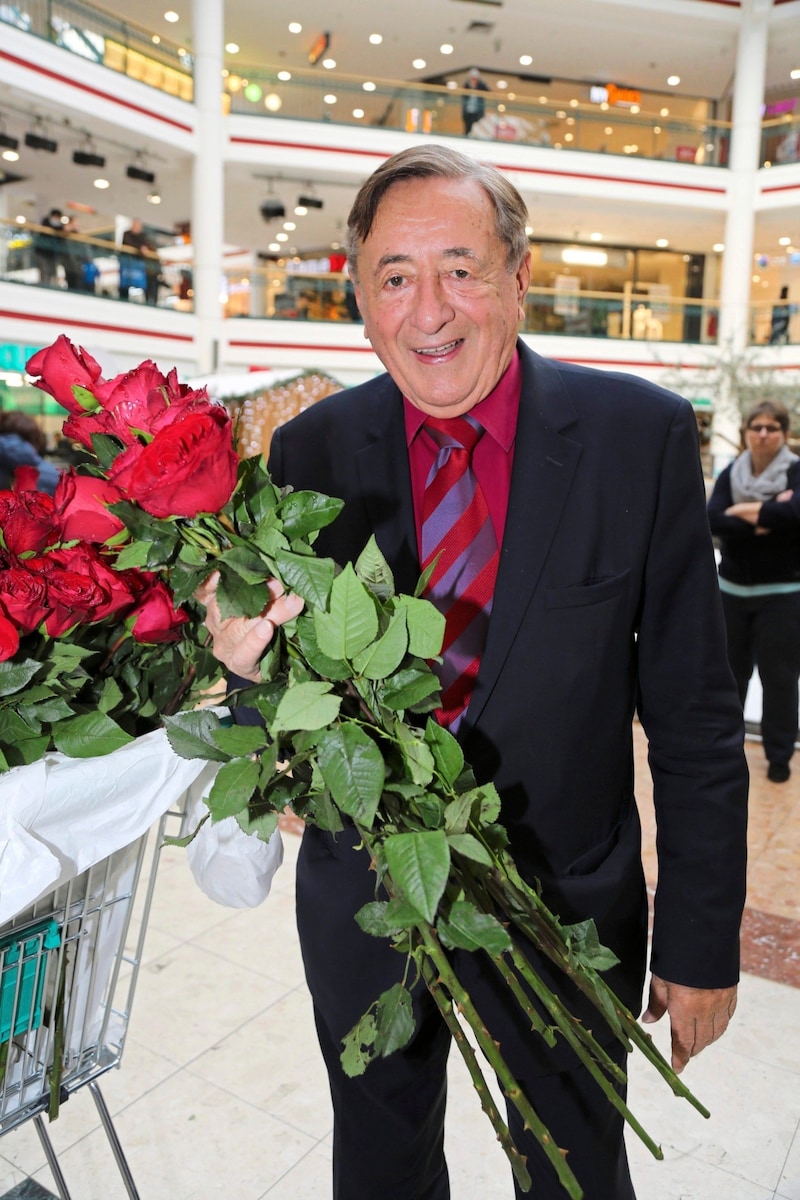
(764, 632)
(388, 1140)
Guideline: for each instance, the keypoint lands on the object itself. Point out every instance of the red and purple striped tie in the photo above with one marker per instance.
(457, 526)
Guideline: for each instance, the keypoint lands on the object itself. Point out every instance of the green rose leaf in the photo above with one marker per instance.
(232, 788)
(89, 735)
(303, 513)
(110, 695)
(15, 675)
(306, 706)
(585, 947)
(416, 754)
(193, 734)
(382, 658)
(408, 687)
(237, 597)
(374, 570)
(469, 847)
(331, 668)
(419, 864)
(351, 622)
(469, 929)
(394, 1020)
(105, 447)
(238, 740)
(309, 577)
(353, 769)
(258, 820)
(247, 565)
(447, 753)
(425, 626)
(358, 1044)
(133, 555)
(382, 918)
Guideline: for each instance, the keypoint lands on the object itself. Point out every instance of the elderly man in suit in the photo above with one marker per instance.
(602, 603)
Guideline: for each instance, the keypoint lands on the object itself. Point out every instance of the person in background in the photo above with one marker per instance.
(47, 248)
(779, 328)
(592, 513)
(754, 511)
(472, 104)
(23, 444)
(137, 240)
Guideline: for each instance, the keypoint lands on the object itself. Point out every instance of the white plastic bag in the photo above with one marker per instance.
(230, 866)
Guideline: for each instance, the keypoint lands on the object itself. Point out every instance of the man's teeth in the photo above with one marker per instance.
(440, 349)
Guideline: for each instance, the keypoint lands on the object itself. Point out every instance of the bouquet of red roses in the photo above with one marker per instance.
(346, 696)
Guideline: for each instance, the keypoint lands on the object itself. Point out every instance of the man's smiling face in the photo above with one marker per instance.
(440, 306)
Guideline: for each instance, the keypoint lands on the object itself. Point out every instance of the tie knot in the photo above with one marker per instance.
(460, 432)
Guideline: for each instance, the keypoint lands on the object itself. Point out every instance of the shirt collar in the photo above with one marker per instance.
(497, 412)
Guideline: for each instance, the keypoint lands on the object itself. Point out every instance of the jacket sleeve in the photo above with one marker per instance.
(691, 714)
(721, 499)
(784, 514)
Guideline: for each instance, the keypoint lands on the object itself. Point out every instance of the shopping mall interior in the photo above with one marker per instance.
(656, 144)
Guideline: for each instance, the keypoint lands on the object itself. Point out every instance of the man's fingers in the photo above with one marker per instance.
(698, 1016)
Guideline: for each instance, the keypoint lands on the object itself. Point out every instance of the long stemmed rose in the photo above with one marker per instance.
(346, 696)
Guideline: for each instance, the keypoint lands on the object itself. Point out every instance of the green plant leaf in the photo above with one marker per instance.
(238, 740)
(15, 675)
(383, 918)
(306, 706)
(247, 565)
(105, 447)
(447, 753)
(394, 1019)
(89, 735)
(416, 755)
(469, 847)
(135, 554)
(303, 513)
(110, 695)
(358, 1045)
(353, 769)
(419, 864)
(238, 598)
(330, 668)
(425, 626)
(383, 657)
(258, 820)
(457, 815)
(586, 948)
(192, 735)
(309, 577)
(472, 930)
(408, 687)
(374, 570)
(232, 788)
(352, 622)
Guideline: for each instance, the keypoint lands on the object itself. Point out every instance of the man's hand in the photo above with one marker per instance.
(698, 1016)
(239, 642)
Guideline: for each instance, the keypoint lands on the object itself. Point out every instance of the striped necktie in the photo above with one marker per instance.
(457, 527)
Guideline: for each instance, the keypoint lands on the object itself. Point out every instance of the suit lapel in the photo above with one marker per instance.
(385, 484)
(545, 460)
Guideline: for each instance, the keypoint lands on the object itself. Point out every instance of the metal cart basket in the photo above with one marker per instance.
(66, 988)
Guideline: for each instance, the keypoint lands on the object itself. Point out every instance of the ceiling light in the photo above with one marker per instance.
(673, 80)
(9, 142)
(274, 246)
(663, 112)
(329, 63)
(528, 230)
(290, 225)
(232, 48)
(573, 103)
(718, 247)
(329, 98)
(281, 237)
(569, 137)
(609, 129)
(446, 48)
(156, 40)
(153, 198)
(273, 102)
(171, 16)
(300, 210)
(501, 84)
(375, 39)
(102, 184)
(309, 202)
(419, 64)
(795, 74)
(525, 60)
(295, 27)
(578, 256)
(784, 241)
(358, 113)
(595, 237)
(368, 86)
(284, 76)
(134, 172)
(10, 155)
(662, 243)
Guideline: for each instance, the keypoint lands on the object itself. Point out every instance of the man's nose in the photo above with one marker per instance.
(432, 307)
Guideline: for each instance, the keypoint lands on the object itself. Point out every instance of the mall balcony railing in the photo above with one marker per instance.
(509, 115)
(780, 140)
(92, 265)
(102, 38)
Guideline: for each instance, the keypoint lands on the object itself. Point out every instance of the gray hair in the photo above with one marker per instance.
(439, 162)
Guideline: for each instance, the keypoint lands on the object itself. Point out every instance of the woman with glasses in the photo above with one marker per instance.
(754, 512)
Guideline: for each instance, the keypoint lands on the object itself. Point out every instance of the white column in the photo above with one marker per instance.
(208, 182)
(737, 266)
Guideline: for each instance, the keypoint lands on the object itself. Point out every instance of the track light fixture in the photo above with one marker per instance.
(309, 202)
(37, 141)
(134, 172)
(87, 156)
(8, 142)
(272, 208)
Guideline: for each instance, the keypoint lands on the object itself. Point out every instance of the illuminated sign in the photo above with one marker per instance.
(611, 94)
(318, 49)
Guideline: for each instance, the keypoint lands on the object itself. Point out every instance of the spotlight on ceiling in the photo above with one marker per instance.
(134, 172)
(272, 208)
(8, 142)
(309, 202)
(88, 158)
(37, 142)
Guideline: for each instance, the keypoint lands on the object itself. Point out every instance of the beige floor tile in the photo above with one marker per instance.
(256, 939)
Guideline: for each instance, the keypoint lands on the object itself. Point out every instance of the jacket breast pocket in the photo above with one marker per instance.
(594, 591)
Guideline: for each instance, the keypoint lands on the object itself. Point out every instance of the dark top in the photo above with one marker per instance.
(752, 558)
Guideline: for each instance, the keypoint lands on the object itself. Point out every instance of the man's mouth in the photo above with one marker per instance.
(439, 351)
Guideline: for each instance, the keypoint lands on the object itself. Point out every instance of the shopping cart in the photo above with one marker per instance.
(66, 988)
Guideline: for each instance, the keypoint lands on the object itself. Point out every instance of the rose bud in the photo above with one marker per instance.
(63, 367)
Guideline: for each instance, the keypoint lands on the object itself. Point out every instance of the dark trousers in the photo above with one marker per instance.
(388, 1140)
(764, 632)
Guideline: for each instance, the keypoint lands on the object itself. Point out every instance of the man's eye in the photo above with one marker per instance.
(461, 273)
(394, 281)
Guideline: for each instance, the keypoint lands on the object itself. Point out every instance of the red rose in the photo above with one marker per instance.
(62, 367)
(155, 618)
(27, 522)
(72, 596)
(109, 592)
(81, 427)
(189, 467)
(9, 638)
(81, 508)
(23, 597)
(26, 478)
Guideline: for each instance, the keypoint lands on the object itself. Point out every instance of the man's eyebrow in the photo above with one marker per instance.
(390, 260)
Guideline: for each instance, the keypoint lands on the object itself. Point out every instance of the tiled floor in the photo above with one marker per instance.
(221, 1092)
